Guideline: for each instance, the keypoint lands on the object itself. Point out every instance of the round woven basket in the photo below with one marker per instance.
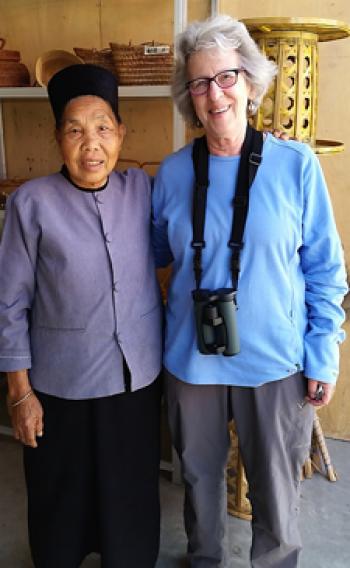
(9, 55)
(53, 61)
(13, 74)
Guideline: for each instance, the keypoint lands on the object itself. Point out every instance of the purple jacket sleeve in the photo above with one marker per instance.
(18, 250)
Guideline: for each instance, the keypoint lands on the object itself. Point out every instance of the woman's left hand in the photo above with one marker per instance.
(319, 393)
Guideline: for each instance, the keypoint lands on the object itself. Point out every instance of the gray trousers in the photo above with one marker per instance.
(274, 435)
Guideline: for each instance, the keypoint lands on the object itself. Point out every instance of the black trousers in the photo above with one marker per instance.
(93, 482)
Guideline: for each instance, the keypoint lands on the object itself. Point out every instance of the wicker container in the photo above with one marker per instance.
(3, 197)
(12, 72)
(6, 187)
(102, 57)
(50, 62)
(8, 54)
(144, 64)
(2, 218)
(238, 503)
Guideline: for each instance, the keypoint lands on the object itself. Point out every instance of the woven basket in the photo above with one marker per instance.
(7, 186)
(238, 503)
(50, 62)
(145, 64)
(3, 197)
(12, 72)
(102, 57)
(8, 55)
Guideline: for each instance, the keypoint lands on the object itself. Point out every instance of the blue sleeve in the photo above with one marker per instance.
(323, 266)
(162, 251)
(17, 283)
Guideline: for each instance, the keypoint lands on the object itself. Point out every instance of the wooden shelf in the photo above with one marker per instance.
(127, 91)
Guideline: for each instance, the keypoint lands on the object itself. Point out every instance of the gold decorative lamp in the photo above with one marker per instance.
(291, 102)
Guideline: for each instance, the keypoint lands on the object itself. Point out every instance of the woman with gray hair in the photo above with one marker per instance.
(254, 304)
(225, 34)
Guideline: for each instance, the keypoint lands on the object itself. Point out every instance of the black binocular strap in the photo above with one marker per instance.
(248, 165)
(200, 156)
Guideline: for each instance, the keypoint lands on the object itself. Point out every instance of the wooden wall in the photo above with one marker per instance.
(35, 26)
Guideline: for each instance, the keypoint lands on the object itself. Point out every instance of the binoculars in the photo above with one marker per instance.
(215, 315)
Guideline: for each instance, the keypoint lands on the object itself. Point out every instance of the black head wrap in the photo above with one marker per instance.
(79, 80)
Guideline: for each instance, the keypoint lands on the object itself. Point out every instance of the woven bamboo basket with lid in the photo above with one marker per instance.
(149, 63)
(13, 73)
(8, 54)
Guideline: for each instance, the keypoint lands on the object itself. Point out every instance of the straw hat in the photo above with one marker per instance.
(52, 61)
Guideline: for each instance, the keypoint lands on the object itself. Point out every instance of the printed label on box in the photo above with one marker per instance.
(156, 49)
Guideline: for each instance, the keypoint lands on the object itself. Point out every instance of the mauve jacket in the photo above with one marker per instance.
(78, 288)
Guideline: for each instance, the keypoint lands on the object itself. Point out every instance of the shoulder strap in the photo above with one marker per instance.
(249, 163)
(248, 166)
(200, 157)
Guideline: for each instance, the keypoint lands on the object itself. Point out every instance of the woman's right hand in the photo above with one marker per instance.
(27, 421)
(26, 417)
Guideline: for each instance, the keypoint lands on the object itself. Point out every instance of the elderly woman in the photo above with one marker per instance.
(269, 362)
(80, 339)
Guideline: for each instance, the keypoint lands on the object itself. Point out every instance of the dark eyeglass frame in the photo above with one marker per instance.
(208, 80)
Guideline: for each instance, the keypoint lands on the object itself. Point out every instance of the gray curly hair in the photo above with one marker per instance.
(225, 33)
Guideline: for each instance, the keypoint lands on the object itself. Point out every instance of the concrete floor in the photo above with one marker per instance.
(325, 518)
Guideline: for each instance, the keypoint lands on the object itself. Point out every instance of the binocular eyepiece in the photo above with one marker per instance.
(215, 315)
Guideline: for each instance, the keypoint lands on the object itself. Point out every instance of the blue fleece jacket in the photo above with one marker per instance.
(292, 278)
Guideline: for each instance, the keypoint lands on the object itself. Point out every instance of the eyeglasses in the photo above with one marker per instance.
(224, 80)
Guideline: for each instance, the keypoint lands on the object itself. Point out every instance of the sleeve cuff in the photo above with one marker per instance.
(14, 363)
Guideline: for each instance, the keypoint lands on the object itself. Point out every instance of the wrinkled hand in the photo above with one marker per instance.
(281, 135)
(325, 396)
(27, 421)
